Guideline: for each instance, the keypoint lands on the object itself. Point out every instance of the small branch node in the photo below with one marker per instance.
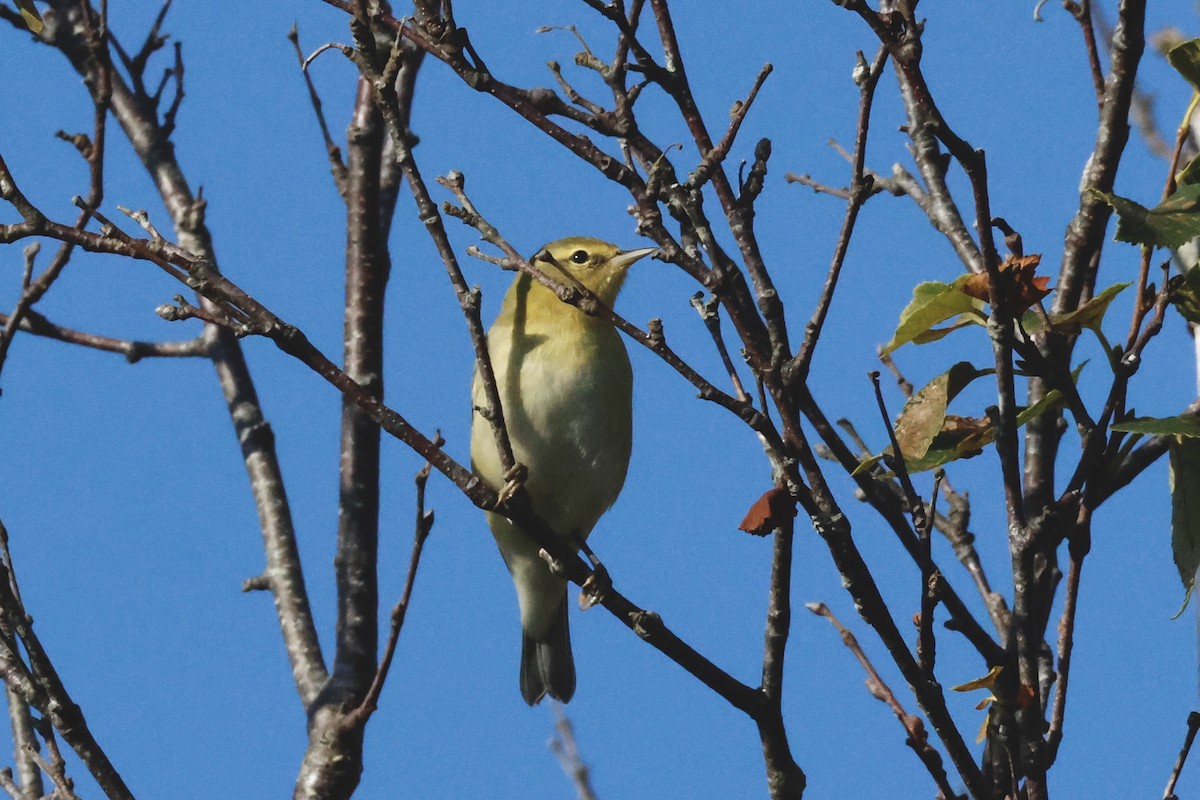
(258, 583)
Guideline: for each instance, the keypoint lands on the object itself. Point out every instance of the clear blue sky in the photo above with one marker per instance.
(132, 522)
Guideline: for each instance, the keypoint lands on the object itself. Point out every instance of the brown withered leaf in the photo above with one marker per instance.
(924, 415)
(970, 434)
(768, 512)
(966, 426)
(1023, 288)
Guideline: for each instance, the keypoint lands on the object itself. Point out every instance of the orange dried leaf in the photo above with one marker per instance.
(976, 286)
(1021, 286)
(768, 512)
(1025, 696)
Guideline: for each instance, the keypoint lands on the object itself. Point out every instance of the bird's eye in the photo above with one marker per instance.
(580, 256)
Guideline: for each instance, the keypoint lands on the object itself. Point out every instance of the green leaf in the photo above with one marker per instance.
(1172, 223)
(1185, 507)
(963, 321)
(924, 415)
(1186, 298)
(1031, 322)
(932, 302)
(866, 465)
(1088, 315)
(1187, 598)
(1185, 58)
(1190, 172)
(1185, 425)
(1053, 399)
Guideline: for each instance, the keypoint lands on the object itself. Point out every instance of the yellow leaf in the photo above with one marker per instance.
(986, 682)
(32, 18)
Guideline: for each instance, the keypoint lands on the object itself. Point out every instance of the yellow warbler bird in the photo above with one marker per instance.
(566, 392)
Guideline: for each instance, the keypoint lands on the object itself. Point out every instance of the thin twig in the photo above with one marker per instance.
(1193, 725)
(717, 154)
(1066, 638)
(94, 49)
(926, 642)
(906, 388)
(913, 726)
(1082, 12)
(867, 78)
(332, 151)
(133, 350)
(915, 504)
(55, 766)
(954, 525)
(396, 119)
(925, 128)
(1140, 305)
(566, 749)
(424, 524)
(817, 186)
(708, 312)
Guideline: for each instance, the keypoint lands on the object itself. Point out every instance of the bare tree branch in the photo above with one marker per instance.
(1085, 234)
(136, 111)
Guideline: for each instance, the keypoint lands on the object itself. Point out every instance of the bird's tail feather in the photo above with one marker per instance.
(547, 666)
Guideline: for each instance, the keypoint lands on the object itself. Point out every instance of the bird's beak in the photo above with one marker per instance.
(626, 258)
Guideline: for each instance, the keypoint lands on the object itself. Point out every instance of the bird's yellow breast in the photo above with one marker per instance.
(566, 390)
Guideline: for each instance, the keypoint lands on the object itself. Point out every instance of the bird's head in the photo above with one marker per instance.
(597, 265)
